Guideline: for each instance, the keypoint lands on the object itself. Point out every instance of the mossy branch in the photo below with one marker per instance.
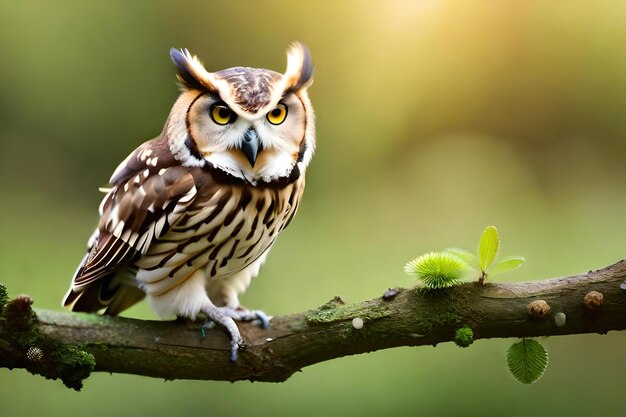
(404, 317)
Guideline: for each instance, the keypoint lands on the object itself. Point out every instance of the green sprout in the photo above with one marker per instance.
(444, 269)
(487, 251)
(527, 360)
(437, 269)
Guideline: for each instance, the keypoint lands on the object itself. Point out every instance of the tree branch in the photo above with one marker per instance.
(404, 317)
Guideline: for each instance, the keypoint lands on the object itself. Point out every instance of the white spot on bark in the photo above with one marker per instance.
(560, 319)
(357, 323)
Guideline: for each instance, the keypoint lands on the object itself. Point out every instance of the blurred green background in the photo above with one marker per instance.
(435, 119)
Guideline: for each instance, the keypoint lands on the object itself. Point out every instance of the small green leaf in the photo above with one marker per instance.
(437, 269)
(507, 264)
(488, 247)
(468, 257)
(527, 360)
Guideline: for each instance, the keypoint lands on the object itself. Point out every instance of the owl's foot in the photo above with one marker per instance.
(254, 315)
(226, 317)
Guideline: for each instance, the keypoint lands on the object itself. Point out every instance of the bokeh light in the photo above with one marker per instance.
(435, 119)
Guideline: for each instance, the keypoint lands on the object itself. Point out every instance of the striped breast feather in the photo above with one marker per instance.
(225, 230)
(140, 208)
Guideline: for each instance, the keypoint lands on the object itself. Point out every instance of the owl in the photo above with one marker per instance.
(191, 215)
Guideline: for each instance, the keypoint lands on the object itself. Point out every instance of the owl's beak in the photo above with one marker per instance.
(251, 145)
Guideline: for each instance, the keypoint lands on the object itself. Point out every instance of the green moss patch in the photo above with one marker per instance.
(464, 336)
(4, 296)
(337, 310)
(23, 345)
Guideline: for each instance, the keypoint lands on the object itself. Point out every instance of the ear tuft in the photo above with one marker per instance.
(299, 73)
(191, 72)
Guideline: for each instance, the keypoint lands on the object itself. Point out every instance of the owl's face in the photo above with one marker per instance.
(254, 124)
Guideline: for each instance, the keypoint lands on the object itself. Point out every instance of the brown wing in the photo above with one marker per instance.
(150, 192)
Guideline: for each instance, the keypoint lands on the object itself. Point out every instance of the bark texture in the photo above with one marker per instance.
(403, 317)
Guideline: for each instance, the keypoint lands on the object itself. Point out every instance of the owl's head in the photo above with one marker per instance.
(254, 124)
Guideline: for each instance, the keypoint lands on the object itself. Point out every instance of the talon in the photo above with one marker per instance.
(209, 324)
(257, 316)
(236, 343)
(226, 317)
(234, 350)
(262, 317)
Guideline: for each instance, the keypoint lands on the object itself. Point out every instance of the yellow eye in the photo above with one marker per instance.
(222, 115)
(278, 115)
